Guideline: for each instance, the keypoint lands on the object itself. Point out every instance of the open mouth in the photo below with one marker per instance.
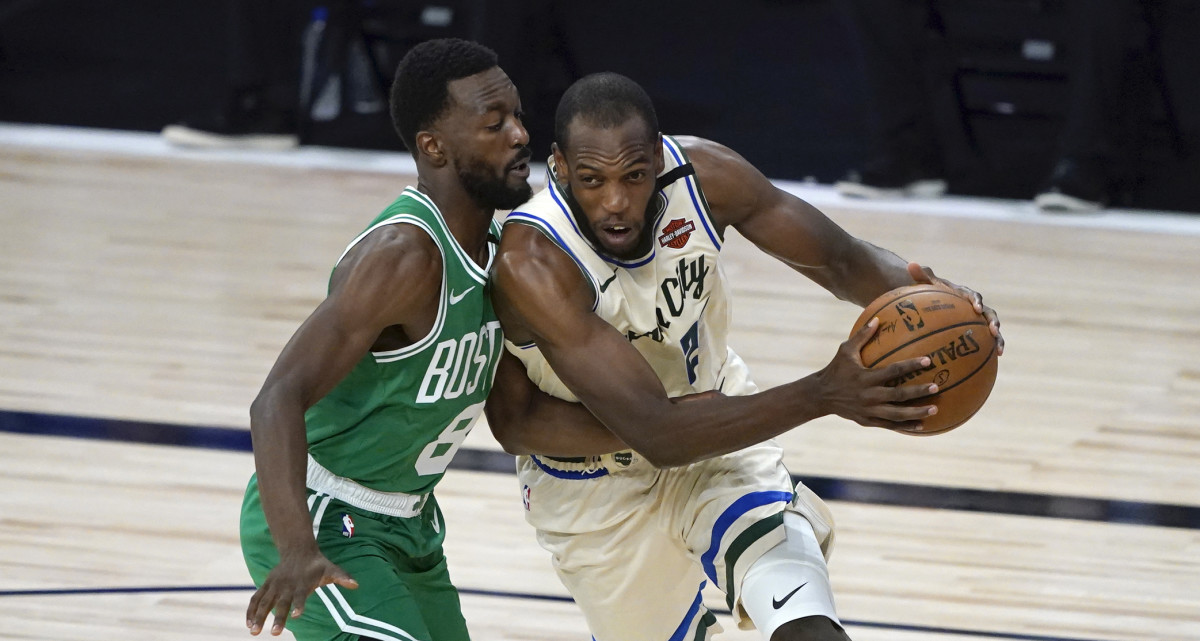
(520, 168)
(617, 234)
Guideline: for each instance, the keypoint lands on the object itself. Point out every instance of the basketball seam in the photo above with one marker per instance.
(914, 293)
(964, 379)
(923, 337)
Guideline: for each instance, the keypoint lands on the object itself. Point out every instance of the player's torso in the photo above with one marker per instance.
(671, 304)
(394, 423)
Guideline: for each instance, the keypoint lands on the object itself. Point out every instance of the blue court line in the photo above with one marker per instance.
(829, 488)
(530, 596)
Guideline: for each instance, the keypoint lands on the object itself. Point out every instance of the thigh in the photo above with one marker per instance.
(731, 511)
(388, 605)
(404, 592)
(730, 507)
(632, 581)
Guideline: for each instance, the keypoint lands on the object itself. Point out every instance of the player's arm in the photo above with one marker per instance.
(540, 294)
(798, 234)
(388, 279)
(526, 420)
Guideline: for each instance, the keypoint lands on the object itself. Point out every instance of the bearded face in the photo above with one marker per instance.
(491, 190)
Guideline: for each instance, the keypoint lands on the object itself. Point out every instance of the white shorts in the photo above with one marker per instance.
(635, 544)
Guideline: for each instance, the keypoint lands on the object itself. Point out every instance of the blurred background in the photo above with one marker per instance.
(802, 88)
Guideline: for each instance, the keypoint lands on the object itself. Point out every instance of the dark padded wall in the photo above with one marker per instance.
(779, 81)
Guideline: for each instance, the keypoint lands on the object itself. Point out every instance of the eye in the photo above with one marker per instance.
(589, 180)
(496, 127)
(636, 176)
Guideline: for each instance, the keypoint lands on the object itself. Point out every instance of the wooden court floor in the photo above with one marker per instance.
(144, 294)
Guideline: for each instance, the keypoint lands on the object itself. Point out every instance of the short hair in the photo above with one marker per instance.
(419, 92)
(603, 100)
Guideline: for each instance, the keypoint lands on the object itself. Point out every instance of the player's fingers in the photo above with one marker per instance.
(280, 618)
(910, 427)
(901, 393)
(920, 274)
(898, 369)
(341, 577)
(260, 608)
(860, 338)
(898, 425)
(901, 416)
(252, 610)
(288, 607)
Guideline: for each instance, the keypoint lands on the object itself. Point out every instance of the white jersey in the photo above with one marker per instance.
(672, 303)
(635, 544)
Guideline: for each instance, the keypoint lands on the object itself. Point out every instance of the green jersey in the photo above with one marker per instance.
(395, 422)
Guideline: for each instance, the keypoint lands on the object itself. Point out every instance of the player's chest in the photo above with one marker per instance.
(664, 296)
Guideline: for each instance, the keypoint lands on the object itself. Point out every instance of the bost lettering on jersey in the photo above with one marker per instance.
(459, 364)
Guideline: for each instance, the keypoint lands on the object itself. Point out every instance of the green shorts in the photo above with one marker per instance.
(404, 591)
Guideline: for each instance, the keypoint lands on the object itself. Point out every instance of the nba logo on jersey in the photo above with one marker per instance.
(676, 234)
(526, 494)
(347, 526)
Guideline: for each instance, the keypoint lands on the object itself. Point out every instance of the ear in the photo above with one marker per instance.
(658, 154)
(429, 144)
(561, 170)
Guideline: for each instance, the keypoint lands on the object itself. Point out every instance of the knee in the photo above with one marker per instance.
(813, 628)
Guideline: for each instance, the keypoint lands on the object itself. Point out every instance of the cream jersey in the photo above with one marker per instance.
(672, 303)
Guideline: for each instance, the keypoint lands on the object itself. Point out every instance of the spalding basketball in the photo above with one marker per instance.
(931, 320)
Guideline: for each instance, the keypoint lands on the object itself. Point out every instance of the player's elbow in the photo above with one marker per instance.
(260, 407)
(510, 442)
(504, 429)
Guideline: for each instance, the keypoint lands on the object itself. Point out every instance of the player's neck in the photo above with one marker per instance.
(467, 220)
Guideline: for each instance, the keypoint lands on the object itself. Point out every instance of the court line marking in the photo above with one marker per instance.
(55, 592)
(830, 488)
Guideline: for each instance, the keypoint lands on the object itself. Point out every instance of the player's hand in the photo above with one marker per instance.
(288, 586)
(852, 391)
(925, 275)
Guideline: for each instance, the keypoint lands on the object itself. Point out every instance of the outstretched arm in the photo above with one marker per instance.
(390, 279)
(801, 236)
(540, 295)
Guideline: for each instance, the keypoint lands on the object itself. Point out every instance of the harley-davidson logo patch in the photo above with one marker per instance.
(676, 234)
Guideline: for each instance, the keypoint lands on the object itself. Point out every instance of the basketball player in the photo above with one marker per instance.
(373, 395)
(610, 289)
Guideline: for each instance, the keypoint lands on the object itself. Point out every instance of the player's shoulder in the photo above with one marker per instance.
(393, 250)
(729, 181)
(703, 152)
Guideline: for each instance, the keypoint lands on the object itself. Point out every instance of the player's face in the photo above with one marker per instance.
(611, 174)
(487, 142)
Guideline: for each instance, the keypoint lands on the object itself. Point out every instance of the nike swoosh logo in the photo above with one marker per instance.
(605, 284)
(778, 603)
(455, 298)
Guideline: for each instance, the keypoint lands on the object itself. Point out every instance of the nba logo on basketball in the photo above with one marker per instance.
(526, 494)
(909, 314)
(347, 526)
(676, 234)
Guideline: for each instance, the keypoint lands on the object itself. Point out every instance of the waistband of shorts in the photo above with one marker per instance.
(396, 504)
(587, 467)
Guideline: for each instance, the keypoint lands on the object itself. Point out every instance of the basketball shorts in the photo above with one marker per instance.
(404, 591)
(635, 545)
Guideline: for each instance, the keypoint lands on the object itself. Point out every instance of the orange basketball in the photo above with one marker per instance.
(931, 320)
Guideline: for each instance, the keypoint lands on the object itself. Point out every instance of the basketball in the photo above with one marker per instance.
(931, 320)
